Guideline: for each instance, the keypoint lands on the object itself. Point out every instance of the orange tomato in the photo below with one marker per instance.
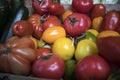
(53, 33)
(66, 14)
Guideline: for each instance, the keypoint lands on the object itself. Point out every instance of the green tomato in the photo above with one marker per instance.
(90, 36)
(64, 47)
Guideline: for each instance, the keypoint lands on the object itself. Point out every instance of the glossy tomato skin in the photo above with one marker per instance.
(76, 24)
(111, 21)
(42, 51)
(56, 8)
(50, 22)
(92, 67)
(82, 6)
(36, 21)
(40, 6)
(22, 28)
(17, 56)
(50, 67)
(98, 10)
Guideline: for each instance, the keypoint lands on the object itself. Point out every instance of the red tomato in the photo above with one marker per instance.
(111, 21)
(42, 51)
(51, 21)
(22, 28)
(40, 6)
(92, 67)
(49, 66)
(82, 6)
(76, 24)
(98, 10)
(56, 8)
(36, 20)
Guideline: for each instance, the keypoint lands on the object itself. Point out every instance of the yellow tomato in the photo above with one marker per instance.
(85, 48)
(53, 33)
(64, 47)
(107, 33)
(96, 23)
(66, 14)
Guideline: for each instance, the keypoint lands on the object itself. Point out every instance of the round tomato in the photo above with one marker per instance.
(50, 22)
(76, 24)
(56, 8)
(22, 28)
(41, 6)
(36, 20)
(49, 66)
(53, 33)
(64, 47)
(92, 67)
(82, 6)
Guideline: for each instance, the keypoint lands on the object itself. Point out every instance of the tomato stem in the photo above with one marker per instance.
(5, 51)
(72, 21)
(46, 56)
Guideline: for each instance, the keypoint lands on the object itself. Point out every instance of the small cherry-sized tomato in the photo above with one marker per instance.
(53, 33)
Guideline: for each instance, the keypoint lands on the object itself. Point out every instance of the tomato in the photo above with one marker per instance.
(76, 24)
(41, 6)
(97, 23)
(92, 67)
(98, 10)
(42, 51)
(111, 21)
(85, 48)
(82, 6)
(17, 55)
(22, 28)
(53, 33)
(36, 20)
(50, 22)
(56, 8)
(109, 48)
(64, 47)
(66, 14)
(49, 67)
(107, 33)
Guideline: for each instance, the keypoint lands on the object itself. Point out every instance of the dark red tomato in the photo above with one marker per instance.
(98, 10)
(111, 21)
(56, 8)
(42, 51)
(76, 24)
(40, 6)
(22, 28)
(82, 6)
(92, 67)
(49, 66)
(36, 20)
(51, 21)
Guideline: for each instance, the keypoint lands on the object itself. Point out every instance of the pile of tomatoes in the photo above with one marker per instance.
(52, 36)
